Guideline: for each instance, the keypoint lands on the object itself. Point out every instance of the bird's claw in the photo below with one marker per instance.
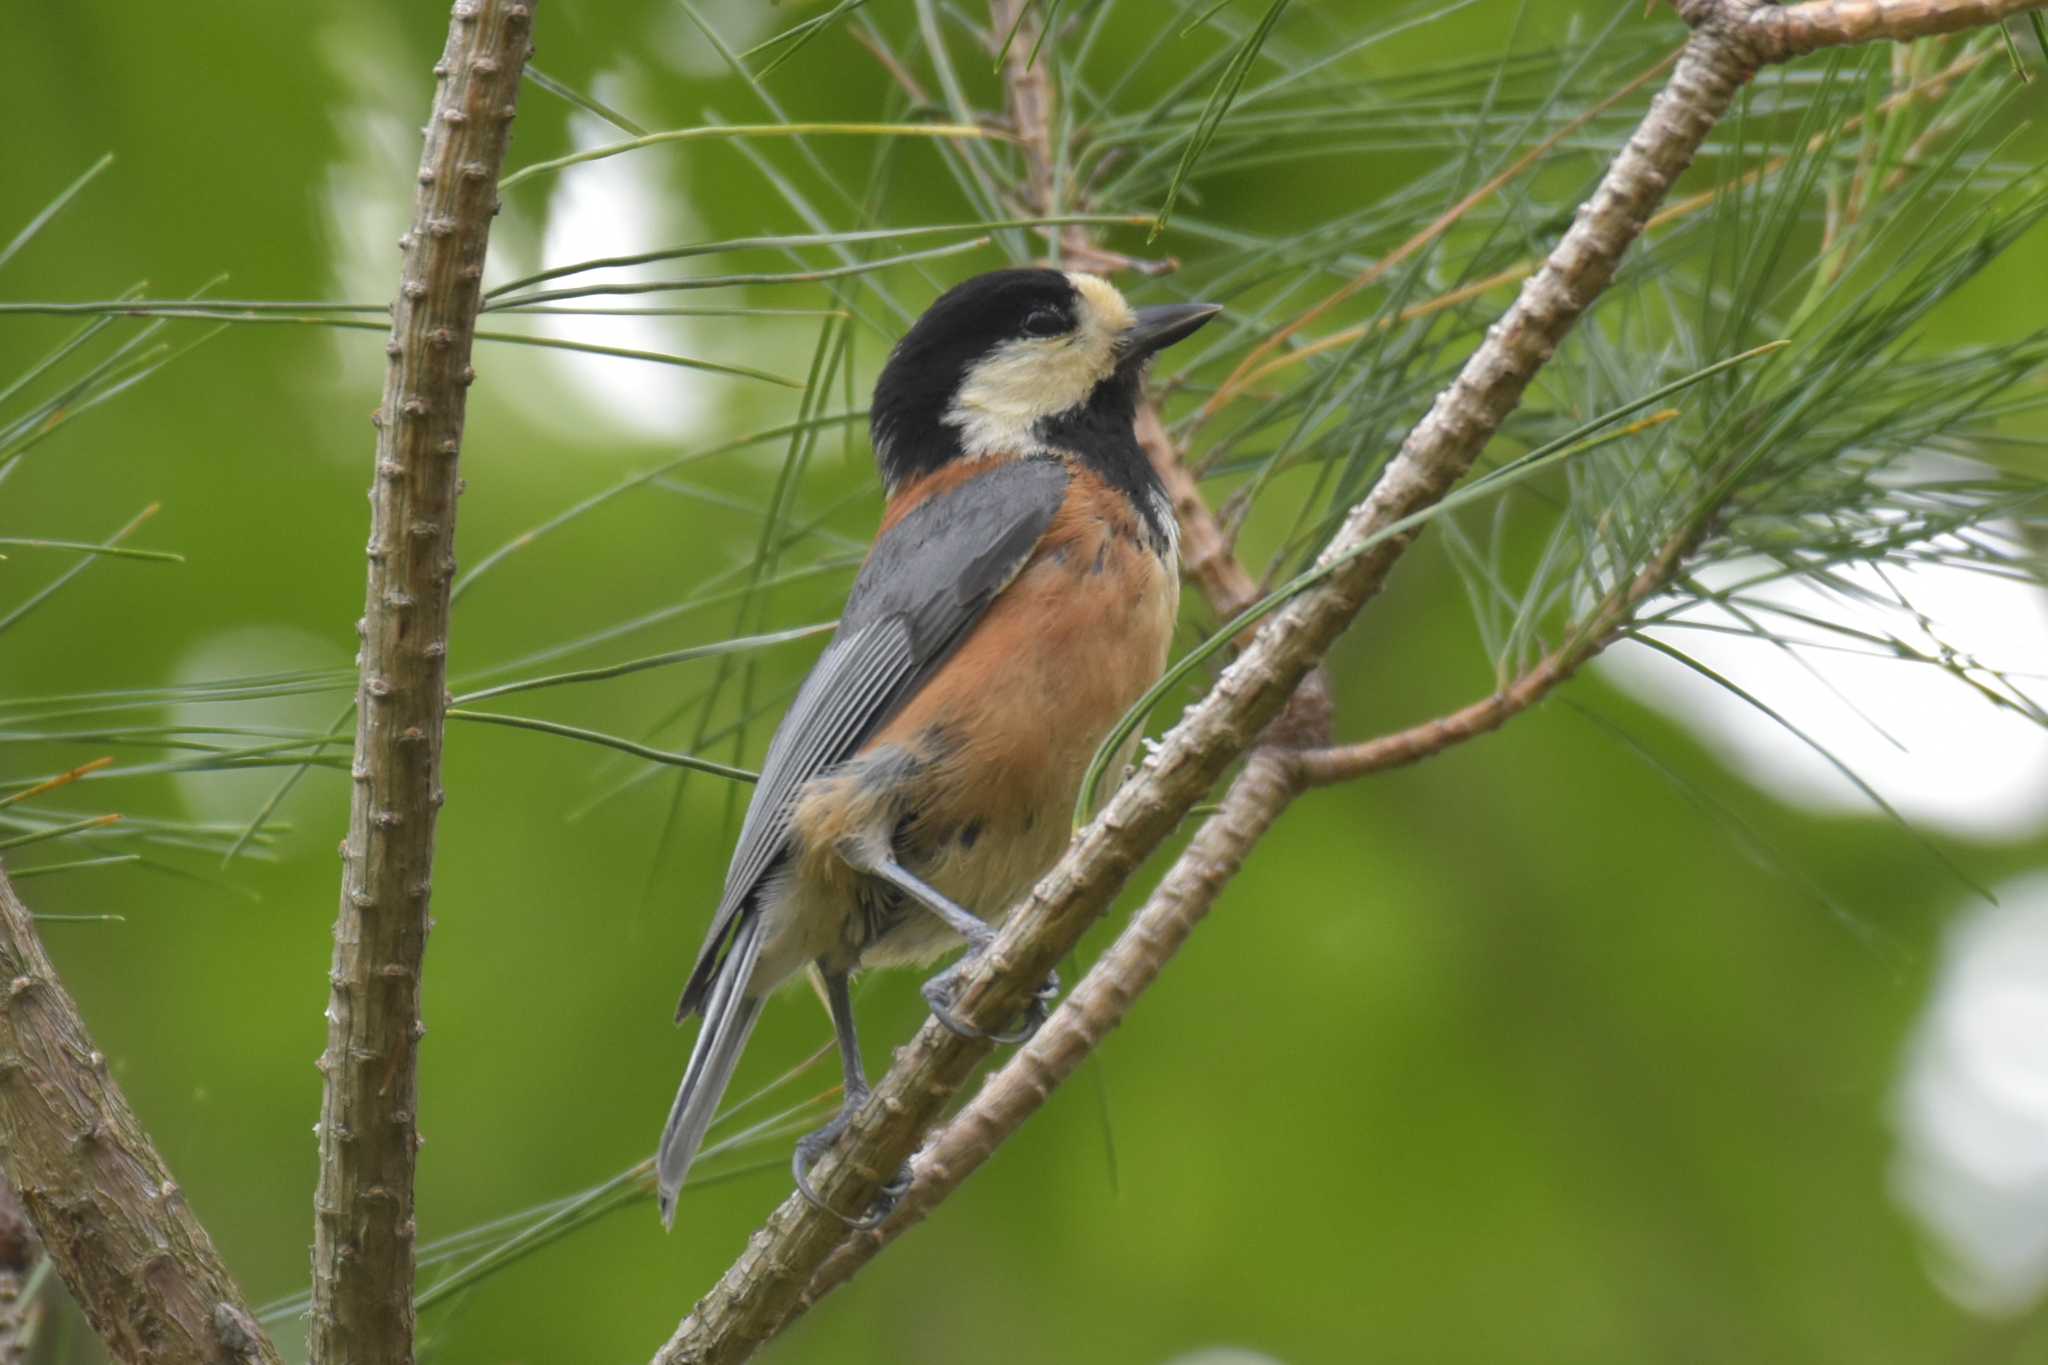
(813, 1145)
(938, 994)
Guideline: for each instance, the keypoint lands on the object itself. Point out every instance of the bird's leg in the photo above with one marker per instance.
(939, 991)
(812, 1146)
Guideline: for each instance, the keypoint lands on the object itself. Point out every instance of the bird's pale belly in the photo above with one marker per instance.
(974, 781)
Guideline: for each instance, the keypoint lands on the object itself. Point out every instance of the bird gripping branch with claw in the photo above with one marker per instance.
(1019, 598)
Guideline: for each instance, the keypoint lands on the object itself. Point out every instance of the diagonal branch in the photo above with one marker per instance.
(363, 1229)
(1287, 763)
(774, 1274)
(117, 1226)
(778, 1262)
(1271, 779)
(1601, 628)
(1125, 971)
(1781, 33)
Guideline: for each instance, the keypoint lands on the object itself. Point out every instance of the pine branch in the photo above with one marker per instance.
(771, 1275)
(1775, 34)
(775, 1275)
(1287, 764)
(117, 1226)
(1090, 1012)
(363, 1248)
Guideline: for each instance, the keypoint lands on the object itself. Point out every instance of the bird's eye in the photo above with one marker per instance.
(1044, 322)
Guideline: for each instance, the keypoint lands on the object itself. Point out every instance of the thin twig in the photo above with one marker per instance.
(1778, 34)
(363, 1241)
(1601, 628)
(114, 1222)
(1206, 555)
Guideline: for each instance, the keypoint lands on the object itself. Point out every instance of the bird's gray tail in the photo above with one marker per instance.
(729, 1017)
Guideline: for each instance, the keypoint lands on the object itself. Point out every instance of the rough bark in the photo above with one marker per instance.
(112, 1220)
(1778, 34)
(363, 1229)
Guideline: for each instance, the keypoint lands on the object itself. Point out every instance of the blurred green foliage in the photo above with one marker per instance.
(1512, 1056)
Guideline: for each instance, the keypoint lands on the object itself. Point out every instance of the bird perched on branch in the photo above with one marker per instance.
(1019, 598)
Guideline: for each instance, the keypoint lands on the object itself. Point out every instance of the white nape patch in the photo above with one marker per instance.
(1009, 391)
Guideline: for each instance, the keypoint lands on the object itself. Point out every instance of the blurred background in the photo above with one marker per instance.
(1635, 1032)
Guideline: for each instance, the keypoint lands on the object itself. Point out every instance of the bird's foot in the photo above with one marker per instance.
(941, 991)
(814, 1145)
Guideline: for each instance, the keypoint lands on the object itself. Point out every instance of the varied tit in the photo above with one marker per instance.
(1019, 598)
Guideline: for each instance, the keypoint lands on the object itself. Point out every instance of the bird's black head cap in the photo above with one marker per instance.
(929, 365)
(1020, 362)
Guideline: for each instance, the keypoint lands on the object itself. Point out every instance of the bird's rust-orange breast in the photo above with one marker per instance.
(1012, 719)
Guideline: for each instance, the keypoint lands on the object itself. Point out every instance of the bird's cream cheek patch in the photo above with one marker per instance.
(1004, 397)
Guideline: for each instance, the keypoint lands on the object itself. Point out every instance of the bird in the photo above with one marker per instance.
(1019, 597)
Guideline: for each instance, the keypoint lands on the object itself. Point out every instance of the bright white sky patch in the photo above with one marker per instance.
(1959, 762)
(621, 206)
(1972, 1105)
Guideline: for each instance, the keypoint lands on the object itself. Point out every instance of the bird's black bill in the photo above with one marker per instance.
(1157, 328)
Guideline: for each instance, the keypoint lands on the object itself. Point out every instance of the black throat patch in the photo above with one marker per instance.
(1102, 434)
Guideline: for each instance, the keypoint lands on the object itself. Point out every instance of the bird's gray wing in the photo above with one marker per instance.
(925, 584)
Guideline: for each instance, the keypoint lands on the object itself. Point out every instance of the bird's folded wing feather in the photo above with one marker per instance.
(925, 584)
